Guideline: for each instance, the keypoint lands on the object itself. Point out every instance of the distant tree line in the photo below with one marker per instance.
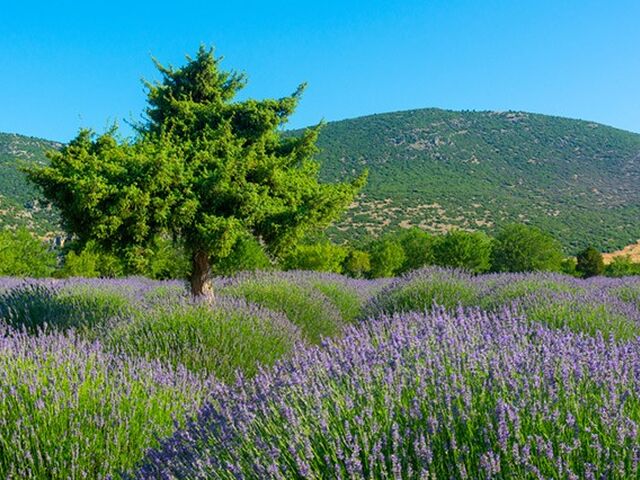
(516, 248)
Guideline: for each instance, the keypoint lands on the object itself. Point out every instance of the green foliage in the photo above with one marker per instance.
(579, 316)
(345, 299)
(303, 305)
(34, 307)
(421, 294)
(71, 411)
(20, 205)
(246, 255)
(521, 248)
(589, 263)
(167, 260)
(206, 168)
(437, 168)
(320, 257)
(418, 247)
(568, 266)
(216, 341)
(357, 263)
(517, 289)
(91, 261)
(622, 267)
(23, 255)
(467, 250)
(387, 258)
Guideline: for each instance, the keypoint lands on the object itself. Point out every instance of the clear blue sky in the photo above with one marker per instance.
(65, 64)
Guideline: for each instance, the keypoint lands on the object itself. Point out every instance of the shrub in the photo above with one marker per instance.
(303, 305)
(592, 312)
(509, 289)
(568, 266)
(418, 247)
(357, 264)
(319, 257)
(467, 250)
(387, 258)
(622, 267)
(34, 306)
(91, 261)
(23, 255)
(423, 290)
(247, 255)
(167, 261)
(70, 410)
(216, 339)
(347, 301)
(589, 263)
(444, 395)
(521, 248)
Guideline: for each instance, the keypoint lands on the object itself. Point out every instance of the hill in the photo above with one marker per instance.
(441, 169)
(479, 170)
(19, 203)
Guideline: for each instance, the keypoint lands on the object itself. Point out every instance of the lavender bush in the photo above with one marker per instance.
(541, 383)
(305, 306)
(441, 395)
(218, 340)
(68, 409)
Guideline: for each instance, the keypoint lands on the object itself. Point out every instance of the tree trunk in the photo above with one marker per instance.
(200, 281)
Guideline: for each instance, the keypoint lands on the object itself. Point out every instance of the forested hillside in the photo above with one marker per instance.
(19, 203)
(436, 169)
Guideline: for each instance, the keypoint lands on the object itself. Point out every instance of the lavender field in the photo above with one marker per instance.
(437, 374)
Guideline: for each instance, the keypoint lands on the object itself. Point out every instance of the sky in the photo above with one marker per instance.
(67, 65)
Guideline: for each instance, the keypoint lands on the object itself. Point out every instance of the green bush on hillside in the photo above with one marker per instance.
(589, 263)
(387, 257)
(320, 257)
(521, 248)
(466, 250)
(23, 255)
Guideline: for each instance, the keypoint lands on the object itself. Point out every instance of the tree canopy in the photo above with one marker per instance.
(205, 168)
(522, 248)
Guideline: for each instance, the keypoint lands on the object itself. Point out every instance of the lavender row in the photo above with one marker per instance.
(69, 409)
(439, 395)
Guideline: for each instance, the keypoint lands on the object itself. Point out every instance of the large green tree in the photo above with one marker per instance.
(589, 262)
(204, 167)
(522, 248)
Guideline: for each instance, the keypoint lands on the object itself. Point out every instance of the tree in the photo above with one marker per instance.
(205, 168)
(246, 255)
(23, 255)
(357, 263)
(387, 257)
(90, 261)
(418, 248)
(589, 262)
(622, 266)
(521, 248)
(321, 257)
(468, 250)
